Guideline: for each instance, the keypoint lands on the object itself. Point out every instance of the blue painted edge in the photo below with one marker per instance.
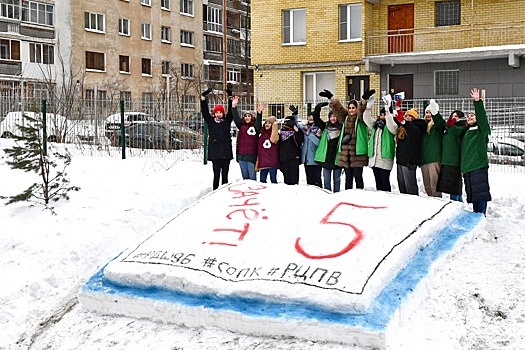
(375, 319)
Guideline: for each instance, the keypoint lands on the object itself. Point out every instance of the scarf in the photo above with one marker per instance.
(218, 120)
(286, 134)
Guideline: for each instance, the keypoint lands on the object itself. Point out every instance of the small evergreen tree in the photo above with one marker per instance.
(29, 155)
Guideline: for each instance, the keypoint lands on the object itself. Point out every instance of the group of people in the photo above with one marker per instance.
(448, 152)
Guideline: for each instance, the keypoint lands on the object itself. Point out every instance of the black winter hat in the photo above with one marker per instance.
(289, 121)
(382, 111)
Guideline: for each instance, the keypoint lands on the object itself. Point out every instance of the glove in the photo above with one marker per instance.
(229, 90)
(326, 93)
(391, 110)
(400, 115)
(379, 124)
(434, 107)
(387, 99)
(370, 102)
(207, 91)
(294, 109)
(321, 105)
(368, 93)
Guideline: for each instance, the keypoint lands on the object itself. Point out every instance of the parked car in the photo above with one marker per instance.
(190, 138)
(113, 121)
(150, 136)
(513, 131)
(56, 125)
(506, 150)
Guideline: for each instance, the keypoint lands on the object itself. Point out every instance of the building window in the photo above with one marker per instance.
(10, 9)
(234, 47)
(446, 82)
(95, 61)
(166, 68)
(186, 38)
(123, 26)
(234, 75)
(165, 4)
(186, 7)
(350, 17)
(294, 26)
(10, 50)
(448, 13)
(165, 34)
(188, 103)
(186, 70)
(94, 21)
(315, 82)
(145, 31)
(214, 19)
(126, 97)
(123, 64)
(35, 12)
(212, 44)
(41, 53)
(147, 101)
(146, 66)
(145, 2)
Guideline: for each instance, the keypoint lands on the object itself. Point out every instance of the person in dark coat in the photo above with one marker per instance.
(247, 138)
(290, 142)
(409, 137)
(219, 139)
(474, 158)
(450, 179)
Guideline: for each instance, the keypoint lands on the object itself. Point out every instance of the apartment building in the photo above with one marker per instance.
(425, 48)
(238, 47)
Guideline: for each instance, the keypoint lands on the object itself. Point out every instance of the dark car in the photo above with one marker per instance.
(151, 136)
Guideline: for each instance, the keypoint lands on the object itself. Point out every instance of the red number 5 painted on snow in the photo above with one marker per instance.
(358, 233)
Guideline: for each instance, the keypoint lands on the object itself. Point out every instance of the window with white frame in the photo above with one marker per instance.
(37, 12)
(294, 26)
(448, 13)
(186, 7)
(166, 68)
(446, 82)
(41, 53)
(9, 50)
(165, 34)
(187, 38)
(214, 19)
(186, 70)
(188, 103)
(315, 82)
(95, 61)
(10, 9)
(165, 4)
(146, 66)
(145, 31)
(350, 20)
(123, 64)
(94, 22)
(123, 26)
(145, 2)
(234, 75)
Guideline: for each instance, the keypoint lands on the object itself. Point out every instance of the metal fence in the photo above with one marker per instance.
(92, 128)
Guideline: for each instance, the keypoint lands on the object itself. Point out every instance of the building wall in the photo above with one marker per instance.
(113, 44)
(495, 76)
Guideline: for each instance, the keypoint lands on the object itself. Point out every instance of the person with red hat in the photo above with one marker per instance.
(219, 138)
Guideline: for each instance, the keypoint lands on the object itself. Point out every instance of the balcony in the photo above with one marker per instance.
(487, 38)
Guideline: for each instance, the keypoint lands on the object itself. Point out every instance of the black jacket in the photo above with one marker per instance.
(219, 137)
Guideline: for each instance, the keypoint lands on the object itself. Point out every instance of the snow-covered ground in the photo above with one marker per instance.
(476, 301)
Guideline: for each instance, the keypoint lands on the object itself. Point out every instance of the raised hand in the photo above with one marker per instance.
(370, 102)
(294, 109)
(207, 91)
(229, 90)
(434, 107)
(326, 93)
(474, 93)
(235, 101)
(262, 107)
(322, 104)
(368, 93)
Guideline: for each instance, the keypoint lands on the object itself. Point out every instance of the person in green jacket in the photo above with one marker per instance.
(474, 159)
(450, 178)
(431, 152)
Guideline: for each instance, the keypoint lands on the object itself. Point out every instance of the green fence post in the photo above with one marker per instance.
(43, 108)
(122, 130)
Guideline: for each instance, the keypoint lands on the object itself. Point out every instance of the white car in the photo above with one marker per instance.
(506, 150)
(56, 125)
